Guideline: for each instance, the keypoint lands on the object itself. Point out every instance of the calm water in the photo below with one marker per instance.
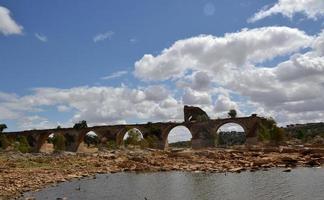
(301, 183)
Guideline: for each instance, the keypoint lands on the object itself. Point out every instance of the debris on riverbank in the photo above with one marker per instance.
(20, 173)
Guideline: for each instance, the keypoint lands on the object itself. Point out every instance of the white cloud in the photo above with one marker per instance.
(103, 36)
(215, 73)
(192, 97)
(7, 25)
(229, 62)
(97, 105)
(41, 37)
(115, 75)
(199, 81)
(312, 9)
(218, 56)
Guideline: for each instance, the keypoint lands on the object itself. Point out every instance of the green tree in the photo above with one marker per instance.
(269, 131)
(59, 142)
(81, 124)
(133, 138)
(2, 127)
(232, 113)
(4, 142)
(22, 144)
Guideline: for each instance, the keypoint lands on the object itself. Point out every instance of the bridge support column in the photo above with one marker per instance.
(251, 140)
(202, 143)
(160, 144)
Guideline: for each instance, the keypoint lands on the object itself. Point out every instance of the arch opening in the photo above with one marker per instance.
(48, 145)
(133, 138)
(90, 143)
(230, 134)
(179, 137)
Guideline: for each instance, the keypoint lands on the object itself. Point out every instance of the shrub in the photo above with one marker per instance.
(269, 131)
(22, 144)
(151, 141)
(134, 138)
(144, 144)
(91, 140)
(264, 133)
(80, 124)
(300, 134)
(277, 134)
(111, 144)
(232, 113)
(59, 143)
(4, 142)
(202, 118)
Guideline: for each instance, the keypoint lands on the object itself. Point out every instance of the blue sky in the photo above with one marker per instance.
(89, 50)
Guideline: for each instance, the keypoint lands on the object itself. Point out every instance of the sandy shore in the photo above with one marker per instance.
(20, 173)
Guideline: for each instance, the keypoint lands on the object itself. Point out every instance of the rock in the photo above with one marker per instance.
(313, 163)
(289, 160)
(287, 170)
(237, 170)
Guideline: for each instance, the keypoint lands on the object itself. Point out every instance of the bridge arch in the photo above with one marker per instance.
(230, 132)
(89, 142)
(230, 121)
(178, 132)
(123, 134)
(47, 145)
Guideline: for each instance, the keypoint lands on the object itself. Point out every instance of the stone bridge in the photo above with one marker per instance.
(203, 132)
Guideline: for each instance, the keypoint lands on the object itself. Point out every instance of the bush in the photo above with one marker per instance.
(81, 124)
(151, 141)
(300, 135)
(269, 131)
(134, 138)
(144, 144)
(277, 134)
(59, 143)
(202, 118)
(91, 140)
(22, 144)
(111, 144)
(4, 142)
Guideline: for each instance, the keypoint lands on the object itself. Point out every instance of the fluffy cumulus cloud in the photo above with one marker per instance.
(312, 9)
(220, 55)
(215, 73)
(8, 26)
(97, 105)
(236, 63)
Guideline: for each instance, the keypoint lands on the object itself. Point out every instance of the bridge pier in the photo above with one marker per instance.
(202, 143)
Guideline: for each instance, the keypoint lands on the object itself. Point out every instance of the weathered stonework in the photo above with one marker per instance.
(202, 132)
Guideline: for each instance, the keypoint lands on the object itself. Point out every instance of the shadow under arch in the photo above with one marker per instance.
(178, 133)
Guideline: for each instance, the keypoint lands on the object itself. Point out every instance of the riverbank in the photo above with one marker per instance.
(20, 173)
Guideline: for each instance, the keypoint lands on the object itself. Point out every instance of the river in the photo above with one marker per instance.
(300, 183)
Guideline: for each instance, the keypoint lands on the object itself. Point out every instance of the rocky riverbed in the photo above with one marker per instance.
(20, 173)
